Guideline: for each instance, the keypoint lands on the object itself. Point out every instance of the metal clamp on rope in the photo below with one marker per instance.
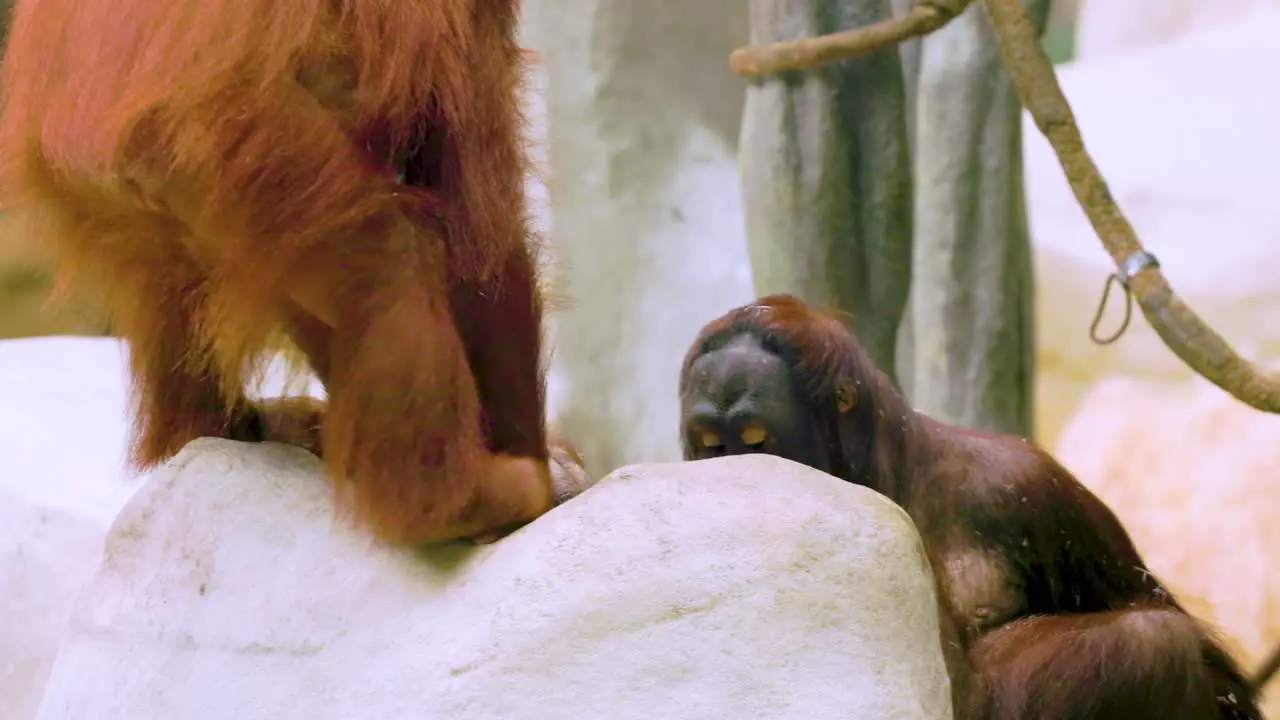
(1132, 265)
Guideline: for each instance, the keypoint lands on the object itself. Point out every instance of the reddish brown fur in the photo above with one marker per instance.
(220, 171)
(1053, 614)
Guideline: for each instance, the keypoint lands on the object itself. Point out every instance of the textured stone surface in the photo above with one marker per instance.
(1192, 474)
(744, 587)
(64, 419)
(47, 556)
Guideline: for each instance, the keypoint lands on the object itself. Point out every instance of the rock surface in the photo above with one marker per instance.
(1192, 474)
(744, 587)
(47, 557)
(65, 419)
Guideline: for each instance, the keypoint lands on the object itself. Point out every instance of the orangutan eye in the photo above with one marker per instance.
(753, 436)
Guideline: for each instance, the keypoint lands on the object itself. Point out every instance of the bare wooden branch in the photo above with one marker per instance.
(926, 16)
(1033, 77)
(1195, 343)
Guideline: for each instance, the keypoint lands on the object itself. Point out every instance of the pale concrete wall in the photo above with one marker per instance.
(646, 218)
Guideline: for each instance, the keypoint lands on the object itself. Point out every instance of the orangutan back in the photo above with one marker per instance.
(348, 174)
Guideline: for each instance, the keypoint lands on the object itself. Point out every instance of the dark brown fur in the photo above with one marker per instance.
(221, 172)
(1054, 614)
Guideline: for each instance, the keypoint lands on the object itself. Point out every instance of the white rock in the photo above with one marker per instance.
(65, 418)
(745, 587)
(47, 556)
(1187, 144)
(64, 415)
(1191, 473)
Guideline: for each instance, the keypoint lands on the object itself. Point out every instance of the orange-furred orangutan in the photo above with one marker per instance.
(349, 172)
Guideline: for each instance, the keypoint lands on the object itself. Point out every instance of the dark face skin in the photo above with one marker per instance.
(741, 399)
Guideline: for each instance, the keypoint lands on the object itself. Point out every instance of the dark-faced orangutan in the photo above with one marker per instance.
(1053, 614)
(347, 173)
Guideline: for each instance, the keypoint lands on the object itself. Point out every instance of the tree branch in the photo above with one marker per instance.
(926, 16)
(1202, 349)
(1033, 78)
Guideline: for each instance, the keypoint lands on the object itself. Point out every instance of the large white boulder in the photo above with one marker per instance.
(744, 587)
(1187, 143)
(64, 420)
(64, 417)
(47, 556)
(1192, 474)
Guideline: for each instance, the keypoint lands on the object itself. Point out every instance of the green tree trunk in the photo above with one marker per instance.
(973, 292)
(826, 174)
